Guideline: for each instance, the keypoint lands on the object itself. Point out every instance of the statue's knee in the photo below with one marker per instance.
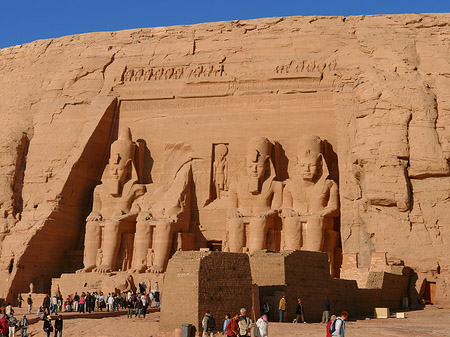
(112, 227)
(92, 227)
(163, 226)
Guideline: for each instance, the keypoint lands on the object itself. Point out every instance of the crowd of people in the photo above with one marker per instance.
(240, 325)
(9, 323)
(136, 303)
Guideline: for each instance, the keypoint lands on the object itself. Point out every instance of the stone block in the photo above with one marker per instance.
(381, 313)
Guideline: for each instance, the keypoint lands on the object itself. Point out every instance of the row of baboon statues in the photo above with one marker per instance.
(307, 204)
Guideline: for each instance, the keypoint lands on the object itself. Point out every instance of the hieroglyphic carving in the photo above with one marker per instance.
(305, 66)
(173, 73)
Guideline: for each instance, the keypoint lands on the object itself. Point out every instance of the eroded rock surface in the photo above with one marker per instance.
(375, 88)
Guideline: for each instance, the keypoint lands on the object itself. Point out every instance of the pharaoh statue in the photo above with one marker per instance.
(165, 211)
(310, 202)
(114, 210)
(253, 200)
(220, 170)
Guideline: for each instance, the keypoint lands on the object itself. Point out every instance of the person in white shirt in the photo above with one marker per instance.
(262, 327)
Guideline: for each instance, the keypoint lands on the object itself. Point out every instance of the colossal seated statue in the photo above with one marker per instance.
(310, 202)
(253, 200)
(114, 209)
(165, 211)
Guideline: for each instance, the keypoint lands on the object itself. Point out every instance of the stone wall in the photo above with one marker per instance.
(199, 281)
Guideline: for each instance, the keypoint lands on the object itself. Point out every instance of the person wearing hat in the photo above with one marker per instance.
(12, 322)
(48, 328)
(23, 325)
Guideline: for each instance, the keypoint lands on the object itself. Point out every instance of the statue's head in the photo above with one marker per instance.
(309, 158)
(257, 161)
(121, 160)
(221, 151)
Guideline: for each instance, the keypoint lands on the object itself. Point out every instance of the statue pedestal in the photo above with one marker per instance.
(68, 284)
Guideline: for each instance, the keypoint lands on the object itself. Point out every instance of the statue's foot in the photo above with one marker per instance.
(140, 269)
(104, 268)
(86, 269)
(156, 269)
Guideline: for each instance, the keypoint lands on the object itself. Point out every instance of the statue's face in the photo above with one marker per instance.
(256, 165)
(309, 166)
(118, 168)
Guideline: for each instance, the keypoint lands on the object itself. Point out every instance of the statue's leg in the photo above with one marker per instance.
(141, 246)
(314, 234)
(236, 235)
(292, 233)
(110, 248)
(163, 243)
(92, 243)
(257, 234)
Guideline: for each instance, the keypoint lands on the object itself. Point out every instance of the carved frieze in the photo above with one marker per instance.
(143, 74)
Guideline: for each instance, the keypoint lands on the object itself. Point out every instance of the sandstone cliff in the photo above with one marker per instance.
(376, 87)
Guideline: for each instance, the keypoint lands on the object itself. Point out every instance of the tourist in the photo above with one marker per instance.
(227, 318)
(20, 300)
(265, 309)
(282, 308)
(48, 328)
(40, 313)
(89, 300)
(232, 326)
(110, 300)
(4, 326)
(130, 306)
(60, 301)
(9, 310)
(299, 312)
(157, 295)
(332, 319)
(340, 325)
(139, 307)
(101, 300)
(151, 297)
(76, 302)
(30, 303)
(12, 322)
(157, 299)
(144, 304)
(116, 302)
(46, 302)
(67, 305)
(123, 300)
(58, 326)
(142, 287)
(244, 324)
(208, 324)
(54, 304)
(23, 325)
(2, 309)
(325, 310)
(261, 327)
(81, 306)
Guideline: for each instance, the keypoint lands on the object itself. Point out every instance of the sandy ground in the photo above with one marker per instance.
(429, 322)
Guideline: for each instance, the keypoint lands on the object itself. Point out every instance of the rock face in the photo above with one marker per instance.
(374, 88)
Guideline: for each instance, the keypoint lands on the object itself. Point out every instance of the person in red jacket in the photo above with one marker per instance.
(4, 328)
(232, 326)
(332, 319)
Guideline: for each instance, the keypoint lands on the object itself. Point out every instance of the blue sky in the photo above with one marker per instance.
(23, 21)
